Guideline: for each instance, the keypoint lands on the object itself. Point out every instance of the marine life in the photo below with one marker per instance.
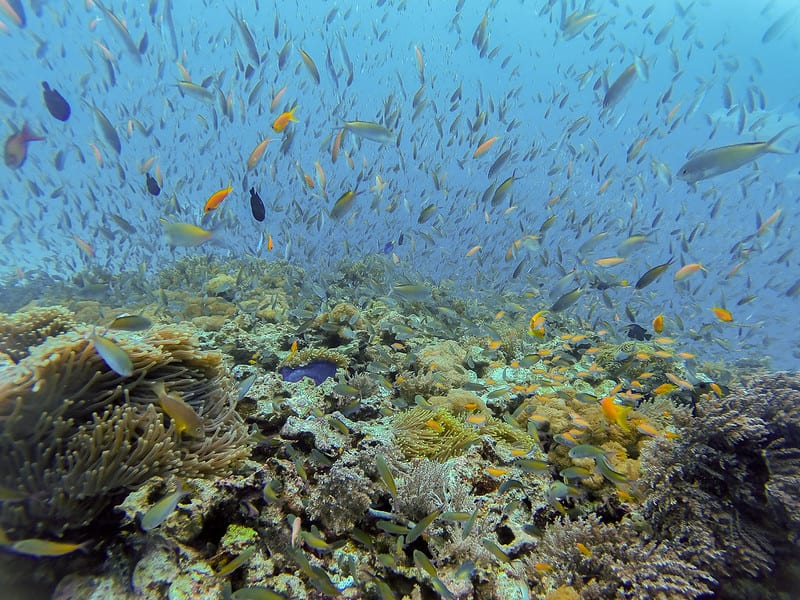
(55, 102)
(113, 355)
(257, 206)
(186, 234)
(317, 370)
(162, 509)
(186, 420)
(283, 120)
(370, 131)
(152, 185)
(710, 163)
(215, 199)
(16, 147)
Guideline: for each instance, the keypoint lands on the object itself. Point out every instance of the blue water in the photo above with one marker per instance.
(526, 86)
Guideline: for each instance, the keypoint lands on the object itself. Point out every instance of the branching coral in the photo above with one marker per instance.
(616, 562)
(73, 433)
(722, 490)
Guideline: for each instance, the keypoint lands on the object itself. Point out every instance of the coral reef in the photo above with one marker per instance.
(75, 434)
(722, 490)
(604, 561)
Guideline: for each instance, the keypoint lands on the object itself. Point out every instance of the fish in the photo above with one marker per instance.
(15, 11)
(257, 206)
(55, 102)
(37, 547)
(620, 87)
(216, 199)
(651, 275)
(16, 148)
(283, 120)
(484, 147)
(162, 509)
(710, 163)
(115, 357)
(152, 185)
(257, 153)
(658, 323)
(368, 130)
(343, 205)
(186, 234)
(566, 300)
(131, 323)
(310, 65)
(187, 421)
(615, 413)
(723, 314)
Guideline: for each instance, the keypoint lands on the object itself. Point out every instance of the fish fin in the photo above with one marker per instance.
(775, 149)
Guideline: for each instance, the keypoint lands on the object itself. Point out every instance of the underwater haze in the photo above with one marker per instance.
(539, 246)
(442, 78)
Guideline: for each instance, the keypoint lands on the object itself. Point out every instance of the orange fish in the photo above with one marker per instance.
(16, 149)
(658, 324)
(279, 124)
(270, 245)
(216, 199)
(484, 147)
(723, 314)
(615, 413)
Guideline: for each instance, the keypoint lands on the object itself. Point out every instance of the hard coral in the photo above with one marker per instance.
(617, 562)
(725, 491)
(73, 433)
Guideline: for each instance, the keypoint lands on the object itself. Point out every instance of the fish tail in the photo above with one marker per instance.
(771, 143)
(28, 135)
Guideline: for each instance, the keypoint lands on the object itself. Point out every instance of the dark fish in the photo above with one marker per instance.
(637, 332)
(55, 102)
(152, 185)
(257, 206)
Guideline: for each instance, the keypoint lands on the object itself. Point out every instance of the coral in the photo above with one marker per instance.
(75, 434)
(619, 563)
(726, 488)
(410, 384)
(307, 355)
(420, 432)
(21, 330)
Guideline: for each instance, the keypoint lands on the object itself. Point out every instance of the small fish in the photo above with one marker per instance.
(186, 234)
(687, 270)
(187, 421)
(343, 204)
(651, 275)
(710, 163)
(39, 548)
(216, 199)
(257, 592)
(615, 413)
(658, 324)
(152, 185)
(245, 386)
(162, 509)
(310, 65)
(566, 300)
(283, 120)
(233, 564)
(484, 147)
(386, 474)
(723, 314)
(131, 323)
(257, 206)
(370, 131)
(257, 153)
(55, 102)
(115, 357)
(16, 148)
